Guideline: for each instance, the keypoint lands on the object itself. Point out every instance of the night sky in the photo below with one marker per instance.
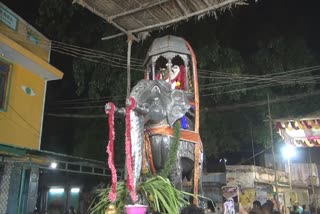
(255, 22)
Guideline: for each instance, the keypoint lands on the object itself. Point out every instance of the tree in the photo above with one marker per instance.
(234, 45)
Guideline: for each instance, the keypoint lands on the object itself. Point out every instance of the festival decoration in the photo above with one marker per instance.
(111, 209)
(300, 132)
(158, 192)
(228, 193)
(130, 178)
(173, 151)
(110, 151)
(158, 129)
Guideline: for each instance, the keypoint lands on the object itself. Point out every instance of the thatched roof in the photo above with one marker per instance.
(132, 17)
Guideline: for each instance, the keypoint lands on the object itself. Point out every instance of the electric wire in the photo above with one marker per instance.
(270, 77)
(262, 102)
(19, 125)
(92, 60)
(82, 102)
(230, 107)
(302, 81)
(89, 99)
(60, 45)
(29, 124)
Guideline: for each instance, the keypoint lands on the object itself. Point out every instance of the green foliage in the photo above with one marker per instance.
(162, 196)
(158, 192)
(66, 22)
(101, 202)
(222, 46)
(221, 59)
(173, 151)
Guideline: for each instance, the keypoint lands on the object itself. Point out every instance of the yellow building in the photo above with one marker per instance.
(24, 72)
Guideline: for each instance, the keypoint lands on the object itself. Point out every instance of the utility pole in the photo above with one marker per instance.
(273, 155)
(312, 183)
(129, 66)
(253, 155)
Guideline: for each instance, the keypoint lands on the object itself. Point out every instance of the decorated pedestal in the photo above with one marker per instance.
(163, 148)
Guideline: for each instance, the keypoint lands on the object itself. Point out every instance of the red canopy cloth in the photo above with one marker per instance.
(300, 132)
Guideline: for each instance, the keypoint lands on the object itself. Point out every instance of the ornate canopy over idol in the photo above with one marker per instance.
(169, 59)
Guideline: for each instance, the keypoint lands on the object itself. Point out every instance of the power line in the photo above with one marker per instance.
(92, 60)
(136, 60)
(269, 77)
(253, 156)
(81, 116)
(17, 124)
(31, 126)
(88, 103)
(262, 102)
(57, 43)
(289, 81)
(229, 107)
(265, 75)
(92, 55)
(80, 55)
(92, 99)
(258, 87)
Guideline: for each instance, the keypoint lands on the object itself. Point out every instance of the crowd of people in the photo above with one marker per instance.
(270, 208)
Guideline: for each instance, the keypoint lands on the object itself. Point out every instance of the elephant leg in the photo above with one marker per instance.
(176, 174)
(155, 149)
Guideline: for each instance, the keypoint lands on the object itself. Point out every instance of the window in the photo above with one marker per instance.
(4, 84)
(1, 172)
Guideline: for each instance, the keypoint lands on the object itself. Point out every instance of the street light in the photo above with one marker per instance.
(223, 160)
(53, 165)
(288, 152)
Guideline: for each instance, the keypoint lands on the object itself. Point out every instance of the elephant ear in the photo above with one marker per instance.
(178, 107)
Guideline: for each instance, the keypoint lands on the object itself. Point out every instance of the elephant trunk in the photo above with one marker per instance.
(137, 138)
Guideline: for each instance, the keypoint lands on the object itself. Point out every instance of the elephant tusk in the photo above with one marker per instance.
(119, 111)
(142, 109)
(108, 107)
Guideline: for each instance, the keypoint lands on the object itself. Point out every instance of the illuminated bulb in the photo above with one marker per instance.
(53, 165)
(75, 190)
(56, 190)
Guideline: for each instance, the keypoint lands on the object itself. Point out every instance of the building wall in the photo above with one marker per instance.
(211, 185)
(257, 183)
(23, 33)
(24, 111)
(5, 187)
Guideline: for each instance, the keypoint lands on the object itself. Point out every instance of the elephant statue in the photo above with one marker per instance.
(157, 105)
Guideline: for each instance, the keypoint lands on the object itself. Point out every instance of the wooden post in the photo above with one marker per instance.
(129, 66)
(273, 155)
(313, 188)
(253, 155)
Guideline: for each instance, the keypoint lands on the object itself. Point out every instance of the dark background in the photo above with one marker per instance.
(240, 39)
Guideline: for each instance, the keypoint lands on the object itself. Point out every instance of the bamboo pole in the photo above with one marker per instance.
(272, 148)
(129, 67)
(313, 188)
(181, 18)
(137, 9)
(198, 147)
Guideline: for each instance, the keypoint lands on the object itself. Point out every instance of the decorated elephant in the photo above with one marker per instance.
(159, 108)
(162, 120)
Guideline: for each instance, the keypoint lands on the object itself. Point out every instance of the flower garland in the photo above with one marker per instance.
(130, 182)
(110, 151)
(173, 150)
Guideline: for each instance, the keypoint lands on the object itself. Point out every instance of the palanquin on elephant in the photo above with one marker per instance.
(166, 97)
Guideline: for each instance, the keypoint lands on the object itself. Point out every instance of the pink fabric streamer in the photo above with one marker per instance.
(130, 183)
(313, 137)
(110, 151)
